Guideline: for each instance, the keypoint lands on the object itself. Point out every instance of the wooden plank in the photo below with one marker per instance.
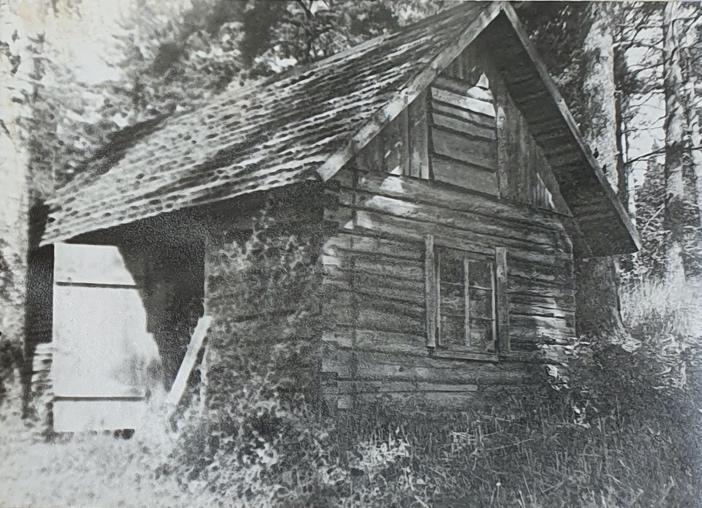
(465, 221)
(465, 175)
(404, 148)
(399, 227)
(465, 127)
(502, 300)
(455, 199)
(428, 368)
(98, 332)
(392, 136)
(186, 367)
(389, 289)
(368, 387)
(476, 119)
(431, 290)
(463, 354)
(418, 138)
(463, 88)
(94, 264)
(462, 101)
(376, 340)
(474, 151)
(508, 159)
(356, 242)
(374, 154)
(466, 299)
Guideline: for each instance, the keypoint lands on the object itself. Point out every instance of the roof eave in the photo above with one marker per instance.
(632, 242)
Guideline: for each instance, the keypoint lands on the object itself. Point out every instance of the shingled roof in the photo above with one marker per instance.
(299, 126)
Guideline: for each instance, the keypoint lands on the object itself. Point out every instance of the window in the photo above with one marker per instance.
(466, 302)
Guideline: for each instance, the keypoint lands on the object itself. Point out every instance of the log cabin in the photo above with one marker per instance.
(445, 185)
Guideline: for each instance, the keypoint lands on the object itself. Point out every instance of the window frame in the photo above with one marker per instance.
(499, 303)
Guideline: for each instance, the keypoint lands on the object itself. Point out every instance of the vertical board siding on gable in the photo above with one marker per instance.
(401, 148)
(374, 262)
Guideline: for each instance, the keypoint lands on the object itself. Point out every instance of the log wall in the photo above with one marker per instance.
(374, 280)
(461, 165)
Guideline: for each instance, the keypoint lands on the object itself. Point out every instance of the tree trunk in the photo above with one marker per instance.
(675, 128)
(597, 297)
(694, 143)
(14, 170)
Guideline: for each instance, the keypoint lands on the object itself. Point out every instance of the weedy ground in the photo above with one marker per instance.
(627, 432)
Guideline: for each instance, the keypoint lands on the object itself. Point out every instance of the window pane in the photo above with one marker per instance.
(452, 331)
(451, 263)
(452, 298)
(480, 274)
(481, 339)
(480, 303)
(452, 266)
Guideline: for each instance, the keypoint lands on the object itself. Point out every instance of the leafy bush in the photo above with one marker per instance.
(623, 431)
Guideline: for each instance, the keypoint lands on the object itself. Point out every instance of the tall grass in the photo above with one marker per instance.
(625, 433)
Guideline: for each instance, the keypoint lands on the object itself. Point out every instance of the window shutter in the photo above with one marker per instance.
(430, 290)
(502, 300)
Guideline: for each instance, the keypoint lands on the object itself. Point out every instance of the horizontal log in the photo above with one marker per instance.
(479, 121)
(528, 309)
(359, 387)
(462, 126)
(463, 101)
(387, 291)
(358, 243)
(454, 237)
(466, 221)
(425, 192)
(375, 340)
(373, 365)
(557, 324)
(377, 319)
(427, 401)
(385, 266)
(463, 88)
(458, 146)
(465, 175)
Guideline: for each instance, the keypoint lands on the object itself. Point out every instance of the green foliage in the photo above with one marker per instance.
(173, 57)
(650, 262)
(270, 321)
(624, 431)
(558, 29)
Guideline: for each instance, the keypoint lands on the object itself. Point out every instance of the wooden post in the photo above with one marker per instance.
(430, 290)
(466, 300)
(502, 300)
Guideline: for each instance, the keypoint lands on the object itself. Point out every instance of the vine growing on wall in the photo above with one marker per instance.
(265, 304)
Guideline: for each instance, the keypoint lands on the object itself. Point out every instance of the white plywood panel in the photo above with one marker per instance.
(83, 415)
(102, 346)
(93, 264)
